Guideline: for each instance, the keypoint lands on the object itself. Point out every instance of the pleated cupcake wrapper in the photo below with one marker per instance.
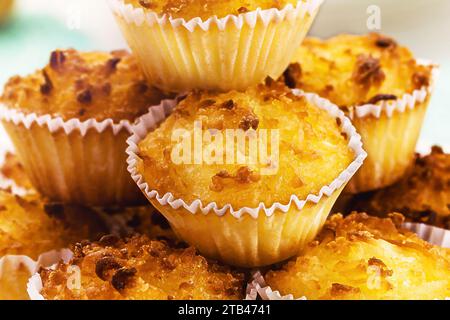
(290, 12)
(391, 144)
(434, 235)
(48, 260)
(390, 132)
(258, 289)
(258, 286)
(14, 263)
(236, 235)
(408, 101)
(73, 161)
(149, 122)
(226, 53)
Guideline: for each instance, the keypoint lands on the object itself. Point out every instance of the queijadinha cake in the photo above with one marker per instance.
(69, 123)
(219, 45)
(422, 195)
(137, 268)
(362, 257)
(316, 147)
(205, 164)
(381, 86)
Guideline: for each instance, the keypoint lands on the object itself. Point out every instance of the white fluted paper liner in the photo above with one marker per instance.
(391, 139)
(55, 124)
(407, 102)
(258, 286)
(434, 235)
(74, 161)
(15, 262)
(232, 52)
(289, 12)
(251, 291)
(47, 260)
(148, 123)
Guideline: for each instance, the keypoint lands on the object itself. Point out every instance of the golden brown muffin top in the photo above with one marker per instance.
(84, 85)
(422, 195)
(189, 9)
(30, 226)
(354, 70)
(140, 269)
(311, 151)
(13, 170)
(363, 257)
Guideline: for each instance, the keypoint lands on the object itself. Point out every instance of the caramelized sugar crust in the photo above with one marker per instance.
(312, 150)
(138, 268)
(363, 257)
(352, 70)
(84, 85)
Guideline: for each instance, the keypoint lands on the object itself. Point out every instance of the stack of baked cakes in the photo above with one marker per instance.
(219, 147)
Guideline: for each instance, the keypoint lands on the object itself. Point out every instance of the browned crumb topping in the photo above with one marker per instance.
(352, 70)
(366, 258)
(386, 42)
(382, 97)
(138, 268)
(423, 195)
(148, 4)
(338, 289)
(311, 150)
(292, 74)
(248, 122)
(243, 10)
(244, 175)
(84, 85)
(368, 71)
